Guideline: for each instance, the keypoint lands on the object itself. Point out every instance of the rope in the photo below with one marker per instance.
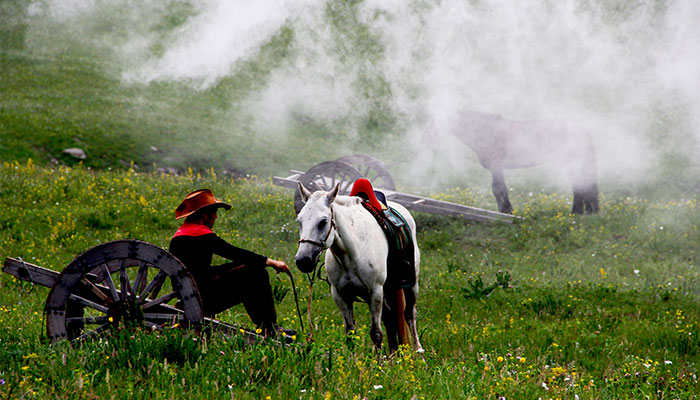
(308, 310)
(312, 279)
(29, 273)
(296, 298)
(317, 271)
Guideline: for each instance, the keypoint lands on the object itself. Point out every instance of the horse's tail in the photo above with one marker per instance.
(401, 316)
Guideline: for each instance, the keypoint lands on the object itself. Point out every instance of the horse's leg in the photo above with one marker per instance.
(591, 201)
(585, 196)
(577, 208)
(584, 181)
(389, 317)
(410, 314)
(590, 190)
(375, 304)
(346, 310)
(498, 185)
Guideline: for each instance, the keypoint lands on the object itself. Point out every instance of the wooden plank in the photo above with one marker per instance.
(459, 208)
(420, 203)
(433, 206)
(432, 209)
(29, 272)
(289, 182)
(402, 198)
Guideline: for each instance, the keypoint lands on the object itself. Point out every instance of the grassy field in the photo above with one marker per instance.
(554, 307)
(602, 306)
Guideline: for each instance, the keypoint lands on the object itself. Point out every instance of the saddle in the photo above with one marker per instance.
(401, 271)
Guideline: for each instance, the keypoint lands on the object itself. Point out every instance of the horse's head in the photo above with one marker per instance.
(316, 227)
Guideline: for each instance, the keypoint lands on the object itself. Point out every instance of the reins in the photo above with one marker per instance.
(296, 298)
(316, 272)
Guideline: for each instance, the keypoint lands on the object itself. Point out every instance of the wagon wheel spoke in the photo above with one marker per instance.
(124, 281)
(139, 280)
(88, 320)
(153, 286)
(91, 333)
(89, 303)
(372, 169)
(96, 291)
(367, 172)
(156, 320)
(110, 283)
(152, 325)
(163, 317)
(345, 186)
(160, 300)
(325, 176)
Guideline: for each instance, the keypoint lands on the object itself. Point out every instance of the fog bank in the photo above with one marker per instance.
(627, 73)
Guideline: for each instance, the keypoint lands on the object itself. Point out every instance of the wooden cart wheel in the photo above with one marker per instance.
(325, 176)
(372, 169)
(116, 285)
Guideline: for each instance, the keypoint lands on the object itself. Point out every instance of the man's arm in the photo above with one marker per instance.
(244, 256)
(279, 266)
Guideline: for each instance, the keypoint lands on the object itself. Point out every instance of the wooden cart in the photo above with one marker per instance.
(123, 283)
(345, 170)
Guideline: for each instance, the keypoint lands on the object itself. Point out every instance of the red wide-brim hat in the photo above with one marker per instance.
(197, 200)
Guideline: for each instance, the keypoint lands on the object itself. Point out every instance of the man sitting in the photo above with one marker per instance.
(243, 280)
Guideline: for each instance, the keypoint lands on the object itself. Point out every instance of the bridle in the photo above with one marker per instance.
(322, 243)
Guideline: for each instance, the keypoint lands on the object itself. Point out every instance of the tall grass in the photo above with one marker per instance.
(602, 306)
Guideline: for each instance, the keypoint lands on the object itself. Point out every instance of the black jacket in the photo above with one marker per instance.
(196, 253)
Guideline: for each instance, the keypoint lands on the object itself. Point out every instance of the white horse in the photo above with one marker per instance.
(356, 261)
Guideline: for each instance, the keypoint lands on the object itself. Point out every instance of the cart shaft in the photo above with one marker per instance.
(29, 272)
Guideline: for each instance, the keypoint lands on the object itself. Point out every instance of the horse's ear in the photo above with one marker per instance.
(304, 192)
(333, 193)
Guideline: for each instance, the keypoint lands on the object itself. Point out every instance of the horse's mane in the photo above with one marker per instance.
(348, 200)
(340, 199)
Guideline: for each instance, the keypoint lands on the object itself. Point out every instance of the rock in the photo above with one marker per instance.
(75, 152)
(128, 164)
(168, 171)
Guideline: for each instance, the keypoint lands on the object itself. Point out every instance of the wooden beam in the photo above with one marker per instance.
(289, 182)
(29, 272)
(420, 203)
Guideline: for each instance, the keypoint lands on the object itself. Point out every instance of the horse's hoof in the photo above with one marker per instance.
(420, 351)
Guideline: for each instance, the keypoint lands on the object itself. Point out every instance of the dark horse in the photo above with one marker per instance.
(503, 144)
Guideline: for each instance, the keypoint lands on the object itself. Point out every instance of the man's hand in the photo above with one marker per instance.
(279, 266)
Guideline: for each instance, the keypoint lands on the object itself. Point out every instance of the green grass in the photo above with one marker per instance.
(592, 307)
(602, 306)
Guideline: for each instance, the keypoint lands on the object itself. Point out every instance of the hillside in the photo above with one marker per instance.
(291, 87)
